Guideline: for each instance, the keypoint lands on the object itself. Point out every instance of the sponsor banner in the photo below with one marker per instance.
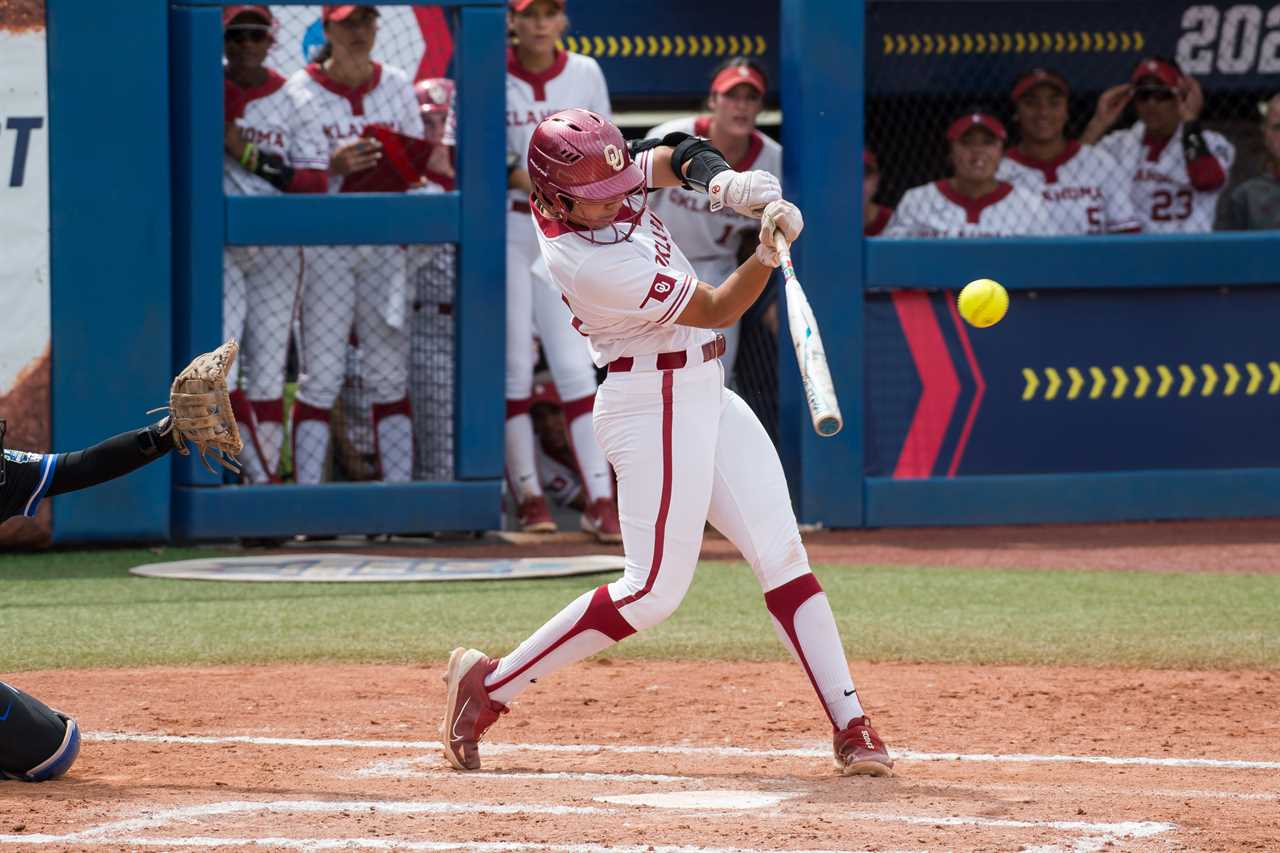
(365, 568)
(1073, 382)
(24, 233)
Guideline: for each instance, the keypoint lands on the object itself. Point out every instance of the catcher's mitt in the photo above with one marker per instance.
(200, 408)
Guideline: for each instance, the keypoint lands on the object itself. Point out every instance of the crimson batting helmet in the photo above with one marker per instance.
(576, 155)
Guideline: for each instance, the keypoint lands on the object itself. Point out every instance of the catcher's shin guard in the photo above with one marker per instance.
(37, 743)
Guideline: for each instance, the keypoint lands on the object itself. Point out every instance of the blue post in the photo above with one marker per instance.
(110, 257)
(822, 95)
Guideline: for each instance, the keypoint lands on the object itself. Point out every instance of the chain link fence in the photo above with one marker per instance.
(1023, 132)
(347, 365)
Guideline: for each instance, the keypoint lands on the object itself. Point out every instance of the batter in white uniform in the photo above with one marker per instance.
(1175, 168)
(687, 450)
(712, 240)
(972, 203)
(346, 287)
(260, 283)
(541, 80)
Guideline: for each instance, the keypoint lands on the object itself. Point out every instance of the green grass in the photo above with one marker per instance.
(82, 609)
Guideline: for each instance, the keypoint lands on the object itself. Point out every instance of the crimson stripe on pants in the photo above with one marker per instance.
(664, 505)
(601, 615)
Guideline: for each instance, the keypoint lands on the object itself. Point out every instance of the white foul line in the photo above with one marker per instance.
(678, 749)
(121, 831)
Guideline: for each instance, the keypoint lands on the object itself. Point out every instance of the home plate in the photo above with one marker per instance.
(701, 799)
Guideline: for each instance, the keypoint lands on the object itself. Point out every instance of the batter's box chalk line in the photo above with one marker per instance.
(126, 831)
(497, 748)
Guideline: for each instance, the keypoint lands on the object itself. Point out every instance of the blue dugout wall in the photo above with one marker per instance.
(139, 222)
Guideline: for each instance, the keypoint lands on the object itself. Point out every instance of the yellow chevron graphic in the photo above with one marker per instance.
(666, 45)
(1188, 379)
(1067, 41)
(679, 45)
(1097, 41)
(1033, 382)
(1122, 382)
(1055, 382)
(1274, 387)
(928, 43)
(1233, 379)
(1057, 42)
(981, 41)
(954, 43)
(1124, 41)
(1138, 41)
(598, 44)
(1166, 379)
(1076, 381)
(1086, 41)
(693, 45)
(1144, 379)
(1071, 43)
(915, 43)
(706, 45)
(733, 44)
(1111, 41)
(1099, 382)
(968, 43)
(653, 45)
(1255, 378)
(1210, 380)
(613, 45)
(1005, 43)
(720, 48)
(569, 43)
(625, 41)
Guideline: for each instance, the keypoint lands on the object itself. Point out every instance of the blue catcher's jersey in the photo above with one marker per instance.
(26, 478)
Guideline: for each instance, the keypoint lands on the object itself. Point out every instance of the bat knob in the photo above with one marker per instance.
(828, 427)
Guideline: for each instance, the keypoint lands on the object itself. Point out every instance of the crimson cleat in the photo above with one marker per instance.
(468, 709)
(534, 516)
(859, 750)
(601, 520)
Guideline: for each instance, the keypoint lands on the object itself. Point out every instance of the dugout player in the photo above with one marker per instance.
(260, 283)
(973, 202)
(1175, 168)
(686, 448)
(711, 241)
(337, 100)
(1255, 204)
(1080, 185)
(543, 79)
(875, 217)
(36, 742)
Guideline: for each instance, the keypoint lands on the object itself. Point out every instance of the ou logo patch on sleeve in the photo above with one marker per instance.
(661, 288)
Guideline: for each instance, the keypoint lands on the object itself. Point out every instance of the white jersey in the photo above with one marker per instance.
(330, 115)
(625, 297)
(1082, 189)
(936, 210)
(264, 115)
(573, 80)
(1159, 185)
(704, 235)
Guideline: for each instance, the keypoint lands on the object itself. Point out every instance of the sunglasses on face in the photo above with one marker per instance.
(243, 34)
(1153, 94)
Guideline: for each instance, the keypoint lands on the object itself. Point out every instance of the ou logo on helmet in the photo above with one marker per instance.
(613, 156)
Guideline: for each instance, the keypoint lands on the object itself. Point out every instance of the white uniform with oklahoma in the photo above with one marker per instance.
(1082, 190)
(936, 210)
(260, 283)
(1161, 187)
(711, 240)
(686, 449)
(346, 287)
(534, 306)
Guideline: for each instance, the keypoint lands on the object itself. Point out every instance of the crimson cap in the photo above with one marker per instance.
(962, 125)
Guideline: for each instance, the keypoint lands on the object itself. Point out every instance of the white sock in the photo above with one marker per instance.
(271, 439)
(311, 444)
(819, 637)
(395, 448)
(522, 466)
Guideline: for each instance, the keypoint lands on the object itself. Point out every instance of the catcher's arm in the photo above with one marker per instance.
(200, 409)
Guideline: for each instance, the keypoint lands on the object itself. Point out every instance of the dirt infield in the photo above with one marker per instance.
(633, 755)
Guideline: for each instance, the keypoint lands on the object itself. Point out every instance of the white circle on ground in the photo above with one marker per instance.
(365, 568)
(743, 800)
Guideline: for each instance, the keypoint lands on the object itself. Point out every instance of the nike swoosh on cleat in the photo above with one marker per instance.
(455, 734)
(850, 692)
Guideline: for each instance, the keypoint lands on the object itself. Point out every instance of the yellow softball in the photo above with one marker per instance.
(983, 302)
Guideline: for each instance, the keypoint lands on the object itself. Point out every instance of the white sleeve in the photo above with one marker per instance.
(1118, 212)
(451, 121)
(622, 283)
(1113, 144)
(901, 223)
(600, 93)
(410, 111)
(308, 146)
(1038, 223)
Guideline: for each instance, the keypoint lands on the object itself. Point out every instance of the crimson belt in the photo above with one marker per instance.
(672, 360)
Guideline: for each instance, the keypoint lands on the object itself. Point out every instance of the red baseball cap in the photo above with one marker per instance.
(341, 13)
(736, 75)
(230, 13)
(962, 125)
(1166, 73)
(521, 5)
(1039, 77)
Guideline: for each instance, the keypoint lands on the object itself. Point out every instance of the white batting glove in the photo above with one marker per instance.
(744, 192)
(779, 217)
